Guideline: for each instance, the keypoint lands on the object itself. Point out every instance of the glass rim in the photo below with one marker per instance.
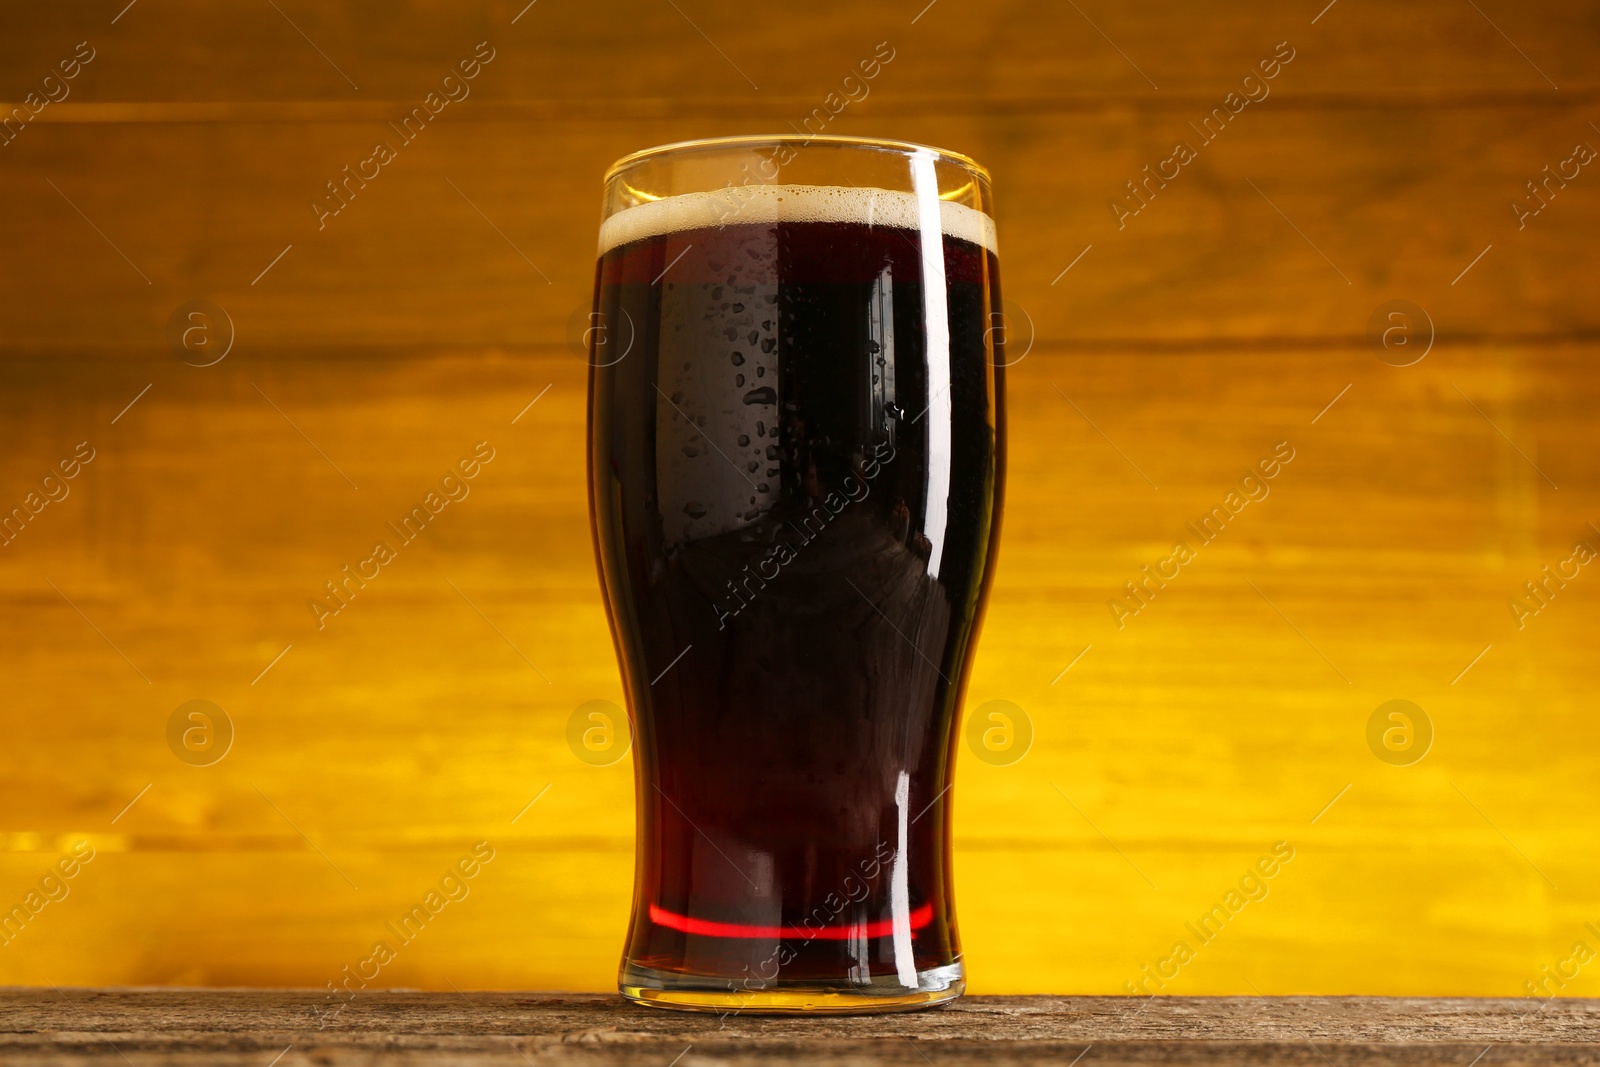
(881, 144)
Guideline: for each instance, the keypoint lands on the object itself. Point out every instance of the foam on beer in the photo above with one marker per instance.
(766, 204)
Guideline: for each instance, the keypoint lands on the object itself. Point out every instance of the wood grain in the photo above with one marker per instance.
(473, 238)
(623, 50)
(76, 1026)
(1230, 315)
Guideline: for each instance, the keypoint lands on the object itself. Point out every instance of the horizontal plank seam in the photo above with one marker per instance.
(589, 109)
(121, 351)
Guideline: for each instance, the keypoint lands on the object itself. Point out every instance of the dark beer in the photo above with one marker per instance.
(796, 460)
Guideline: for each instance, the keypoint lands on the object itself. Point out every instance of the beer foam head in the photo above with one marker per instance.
(767, 204)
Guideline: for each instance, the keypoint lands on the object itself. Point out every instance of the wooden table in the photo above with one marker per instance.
(142, 1027)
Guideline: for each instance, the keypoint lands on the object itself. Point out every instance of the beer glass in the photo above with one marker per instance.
(796, 453)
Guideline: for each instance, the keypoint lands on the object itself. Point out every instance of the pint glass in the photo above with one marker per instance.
(796, 453)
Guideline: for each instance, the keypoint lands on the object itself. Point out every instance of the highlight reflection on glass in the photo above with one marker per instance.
(795, 483)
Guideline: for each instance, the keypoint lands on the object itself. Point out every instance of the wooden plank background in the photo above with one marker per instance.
(1175, 353)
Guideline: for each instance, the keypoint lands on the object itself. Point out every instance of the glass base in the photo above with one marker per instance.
(686, 992)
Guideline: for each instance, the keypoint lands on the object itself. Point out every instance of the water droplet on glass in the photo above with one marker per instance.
(744, 439)
(764, 394)
(694, 510)
(738, 359)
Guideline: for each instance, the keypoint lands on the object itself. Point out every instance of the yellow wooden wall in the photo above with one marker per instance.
(1176, 352)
